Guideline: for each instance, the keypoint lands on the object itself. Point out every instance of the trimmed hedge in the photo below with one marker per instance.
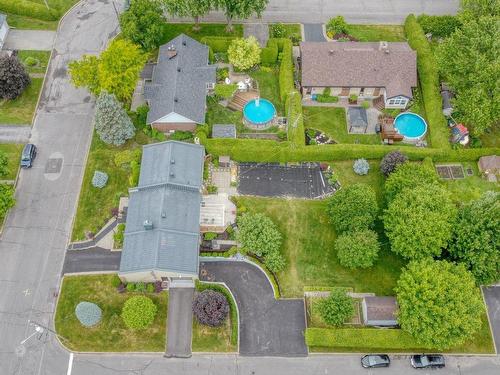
(269, 54)
(360, 338)
(29, 9)
(439, 26)
(232, 305)
(429, 83)
(267, 151)
(217, 43)
(286, 70)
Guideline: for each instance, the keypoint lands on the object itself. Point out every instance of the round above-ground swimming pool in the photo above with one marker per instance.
(410, 125)
(259, 112)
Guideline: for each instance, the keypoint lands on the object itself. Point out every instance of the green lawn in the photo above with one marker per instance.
(469, 188)
(314, 318)
(94, 205)
(23, 22)
(21, 110)
(111, 334)
(308, 246)
(332, 121)
(375, 33)
(207, 29)
(13, 153)
(42, 58)
(269, 87)
(217, 114)
(491, 138)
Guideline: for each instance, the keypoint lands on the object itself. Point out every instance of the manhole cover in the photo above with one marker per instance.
(53, 165)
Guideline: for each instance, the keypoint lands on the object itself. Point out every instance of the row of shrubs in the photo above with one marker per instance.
(366, 338)
(233, 310)
(266, 151)
(429, 82)
(29, 9)
(439, 26)
(217, 44)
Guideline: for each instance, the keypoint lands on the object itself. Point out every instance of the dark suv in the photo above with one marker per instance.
(427, 361)
(28, 155)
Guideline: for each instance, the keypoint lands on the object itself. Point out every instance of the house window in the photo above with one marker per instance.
(399, 101)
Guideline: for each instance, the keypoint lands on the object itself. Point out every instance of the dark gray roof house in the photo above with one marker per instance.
(179, 83)
(379, 311)
(223, 131)
(163, 216)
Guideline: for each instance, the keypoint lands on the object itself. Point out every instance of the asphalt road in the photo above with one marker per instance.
(37, 230)
(354, 11)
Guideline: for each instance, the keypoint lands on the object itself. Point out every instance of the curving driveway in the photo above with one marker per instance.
(268, 327)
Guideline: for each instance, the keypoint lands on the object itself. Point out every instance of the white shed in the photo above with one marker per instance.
(4, 29)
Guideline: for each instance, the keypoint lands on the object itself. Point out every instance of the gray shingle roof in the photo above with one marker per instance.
(224, 131)
(169, 197)
(381, 309)
(359, 64)
(179, 83)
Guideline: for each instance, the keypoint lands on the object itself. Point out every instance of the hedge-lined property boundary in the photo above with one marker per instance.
(216, 44)
(429, 83)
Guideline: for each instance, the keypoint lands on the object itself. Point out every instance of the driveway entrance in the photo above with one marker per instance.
(40, 40)
(313, 32)
(180, 321)
(268, 327)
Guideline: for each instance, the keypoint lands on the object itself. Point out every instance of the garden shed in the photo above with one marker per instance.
(490, 166)
(379, 311)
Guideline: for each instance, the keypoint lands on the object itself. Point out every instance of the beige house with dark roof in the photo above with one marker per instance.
(382, 71)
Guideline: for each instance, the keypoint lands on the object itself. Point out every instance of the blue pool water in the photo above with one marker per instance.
(410, 125)
(259, 114)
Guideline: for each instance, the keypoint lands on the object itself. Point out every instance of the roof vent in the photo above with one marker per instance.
(178, 68)
(331, 52)
(171, 174)
(176, 100)
(183, 42)
(148, 225)
(163, 214)
(172, 161)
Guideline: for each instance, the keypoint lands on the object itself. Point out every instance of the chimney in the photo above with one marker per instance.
(383, 46)
(148, 225)
(171, 52)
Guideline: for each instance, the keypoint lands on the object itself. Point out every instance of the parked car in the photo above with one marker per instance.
(28, 155)
(375, 360)
(427, 361)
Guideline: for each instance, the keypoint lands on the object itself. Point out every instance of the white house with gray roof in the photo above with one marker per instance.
(162, 231)
(179, 84)
(4, 29)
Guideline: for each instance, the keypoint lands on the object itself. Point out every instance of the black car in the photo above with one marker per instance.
(28, 155)
(427, 361)
(375, 360)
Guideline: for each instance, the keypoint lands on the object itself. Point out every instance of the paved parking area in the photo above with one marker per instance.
(268, 327)
(180, 322)
(91, 260)
(492, 297)
(274, 180)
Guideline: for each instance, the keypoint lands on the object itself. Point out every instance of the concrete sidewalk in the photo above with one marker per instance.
(15, 133)
(40, 40)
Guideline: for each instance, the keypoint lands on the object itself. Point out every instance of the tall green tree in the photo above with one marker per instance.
(409, 175)
(337, 308)
(439, 303)
(476, 238)
(111, 121)
(143, 23)
(4, 164)
(357, 249)
(244, 53)
(116, 70)
(242, 9)
(419, 221)
(468, 60)
(353, 208)
(189, 8)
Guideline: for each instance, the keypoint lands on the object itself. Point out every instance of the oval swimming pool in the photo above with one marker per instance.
(259, 111)
(410, 125)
